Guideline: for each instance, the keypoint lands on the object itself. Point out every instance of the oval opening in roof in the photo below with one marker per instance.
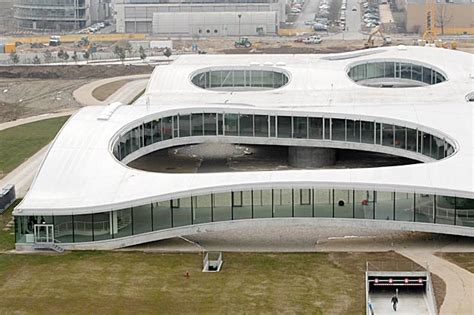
(240, 78)
(394, 74)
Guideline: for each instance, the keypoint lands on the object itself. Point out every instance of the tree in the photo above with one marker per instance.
(167, 52)
(61, 54)
(48, 56)
(65, 56)
(443, 16)
(142, 53)
(86, 55)
(14, 57)
(75, 57)
(36, 60)
(120, 52)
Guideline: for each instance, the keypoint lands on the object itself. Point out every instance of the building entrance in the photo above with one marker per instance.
(44, 233)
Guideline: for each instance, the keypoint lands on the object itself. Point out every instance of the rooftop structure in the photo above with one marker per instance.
(404, 101)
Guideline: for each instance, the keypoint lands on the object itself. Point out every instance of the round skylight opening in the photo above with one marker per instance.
(394, 74)
(240, 79)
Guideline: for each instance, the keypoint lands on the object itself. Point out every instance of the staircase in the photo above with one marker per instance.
(49, 246)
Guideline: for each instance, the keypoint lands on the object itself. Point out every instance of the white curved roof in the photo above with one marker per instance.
(80, 174)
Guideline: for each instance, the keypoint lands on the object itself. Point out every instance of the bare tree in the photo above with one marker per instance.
(443, 16)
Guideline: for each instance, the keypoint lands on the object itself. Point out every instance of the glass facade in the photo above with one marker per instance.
(236, 79)
(296, 127)
(249, 204)
(395, 70)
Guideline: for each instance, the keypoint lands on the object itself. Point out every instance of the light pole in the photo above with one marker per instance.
(239, 15)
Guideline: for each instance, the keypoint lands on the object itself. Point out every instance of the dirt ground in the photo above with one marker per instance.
(28, 91)
(21, 98)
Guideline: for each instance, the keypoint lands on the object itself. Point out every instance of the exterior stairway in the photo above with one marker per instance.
(49, 246)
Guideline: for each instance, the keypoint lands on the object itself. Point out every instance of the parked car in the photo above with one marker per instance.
(312, 40)
(354, 8)
(320, 27)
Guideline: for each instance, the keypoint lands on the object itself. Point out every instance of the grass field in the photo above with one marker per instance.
(19, 143)
(7, 239)
(104, 91)
(135, 282)
(463, 260)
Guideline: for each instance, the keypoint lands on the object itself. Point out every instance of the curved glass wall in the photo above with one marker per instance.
(273, 126)
(290, 202)
(239, 79)
(376, 73)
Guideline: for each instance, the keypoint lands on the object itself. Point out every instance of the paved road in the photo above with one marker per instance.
(353, 25)
(459, 298)
(309, 10)
(409, 304)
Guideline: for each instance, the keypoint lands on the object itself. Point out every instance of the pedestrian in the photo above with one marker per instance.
(371, 308)
(394, 302)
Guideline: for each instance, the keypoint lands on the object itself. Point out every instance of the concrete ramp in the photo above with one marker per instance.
(413, 289)
(409, 303)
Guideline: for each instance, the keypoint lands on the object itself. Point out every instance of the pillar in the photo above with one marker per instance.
(308, 157)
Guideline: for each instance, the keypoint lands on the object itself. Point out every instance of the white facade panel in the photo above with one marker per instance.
(215, 24)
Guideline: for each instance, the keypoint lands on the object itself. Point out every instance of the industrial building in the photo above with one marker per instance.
(410, 102)
(59, 15)
(447, 16)
(199, 18)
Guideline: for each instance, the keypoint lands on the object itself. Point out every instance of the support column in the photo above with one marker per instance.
(307, 157)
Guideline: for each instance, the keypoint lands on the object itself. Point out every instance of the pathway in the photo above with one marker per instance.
(125, 94)
(23, 175)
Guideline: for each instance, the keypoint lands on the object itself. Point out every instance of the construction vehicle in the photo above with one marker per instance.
(387, 40)
(54, 40)
(429, 36)
(243, 42)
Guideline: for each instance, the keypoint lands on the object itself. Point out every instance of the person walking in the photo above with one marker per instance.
(394, 302)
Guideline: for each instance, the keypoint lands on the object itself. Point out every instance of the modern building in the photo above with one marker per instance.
(189, 17)
(410, 102)
(449, 16)
(59, 15)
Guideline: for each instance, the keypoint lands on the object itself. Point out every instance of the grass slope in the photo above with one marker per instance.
(19, 143)
(463, 260)
(136, 282)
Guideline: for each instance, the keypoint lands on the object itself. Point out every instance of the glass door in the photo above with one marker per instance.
(44, 233)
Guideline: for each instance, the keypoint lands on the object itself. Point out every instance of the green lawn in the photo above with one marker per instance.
(19, 143)
(136, 282)
(463, 260)
(7, 239)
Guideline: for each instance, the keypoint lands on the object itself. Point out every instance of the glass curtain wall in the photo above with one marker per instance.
(240, 79)
(248, 204)
(296, 127)
(395, 70)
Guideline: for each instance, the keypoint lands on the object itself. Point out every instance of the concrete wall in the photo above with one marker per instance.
(215, 23)
(458, 18)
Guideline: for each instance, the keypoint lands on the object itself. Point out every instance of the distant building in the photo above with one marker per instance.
(203, 17)
(449, 16)
(59, 15)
